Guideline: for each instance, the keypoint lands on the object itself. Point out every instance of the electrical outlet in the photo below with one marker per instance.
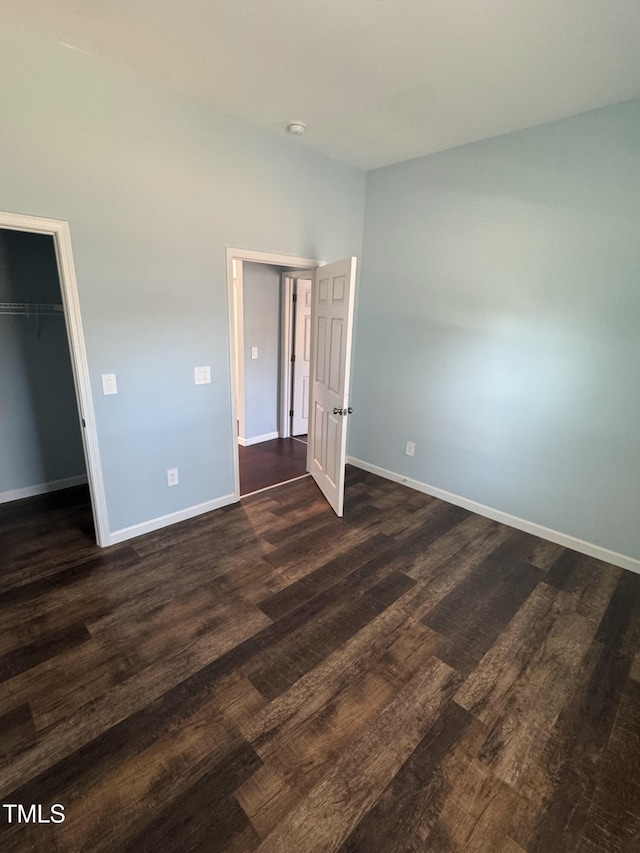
(410, 449)
(254, 352)
(172, 477)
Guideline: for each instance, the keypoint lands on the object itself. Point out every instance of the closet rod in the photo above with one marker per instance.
(31, 309)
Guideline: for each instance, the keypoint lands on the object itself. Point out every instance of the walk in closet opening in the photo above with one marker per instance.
(41, 448)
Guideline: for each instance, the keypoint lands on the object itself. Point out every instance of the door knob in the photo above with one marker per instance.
(337, 410)
(348, 411)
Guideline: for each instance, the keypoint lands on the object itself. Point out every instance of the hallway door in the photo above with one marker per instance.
(301, 357)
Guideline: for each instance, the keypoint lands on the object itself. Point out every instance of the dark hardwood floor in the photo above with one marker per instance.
(271, 462)
(269, 677)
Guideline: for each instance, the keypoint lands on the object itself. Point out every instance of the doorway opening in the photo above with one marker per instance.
(330, 339)
(48, 441)
(271, 307)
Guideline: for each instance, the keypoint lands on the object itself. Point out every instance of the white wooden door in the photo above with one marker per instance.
(331, 334)
(302, 357)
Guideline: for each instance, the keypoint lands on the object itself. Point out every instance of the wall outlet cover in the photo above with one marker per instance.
(410, 449)
(172, 476)
(202, 375)
(109, 383)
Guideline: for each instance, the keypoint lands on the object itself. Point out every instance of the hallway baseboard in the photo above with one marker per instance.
(258, 439)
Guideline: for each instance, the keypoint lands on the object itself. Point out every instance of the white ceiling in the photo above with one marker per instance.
(378, 81)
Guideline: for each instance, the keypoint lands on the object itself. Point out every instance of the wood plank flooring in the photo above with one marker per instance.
(271, 462)
(269, 677)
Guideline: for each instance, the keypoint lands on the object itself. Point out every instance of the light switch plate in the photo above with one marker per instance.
(109, 384)
(203, 375)
(254, 352)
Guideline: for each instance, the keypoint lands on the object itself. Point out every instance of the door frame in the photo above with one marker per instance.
(286, 337)
(287, 343)
(61, 233)
(262, 258)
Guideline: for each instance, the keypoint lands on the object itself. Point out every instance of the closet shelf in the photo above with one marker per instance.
(31, 309)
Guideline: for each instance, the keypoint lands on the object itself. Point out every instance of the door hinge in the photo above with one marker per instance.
(295, 297)
(290, 413)
(84, 423)
(293, 356)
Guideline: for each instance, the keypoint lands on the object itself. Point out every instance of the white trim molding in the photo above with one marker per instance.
(258, 439)
(564, 539)
(238, 309)
(42, 488)
(59, 230)
(165, 520)
(273, 258)
(286, 349)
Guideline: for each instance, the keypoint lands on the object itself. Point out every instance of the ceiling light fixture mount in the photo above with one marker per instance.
(297, 128)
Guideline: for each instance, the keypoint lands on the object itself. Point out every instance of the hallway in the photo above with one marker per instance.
(270, 462)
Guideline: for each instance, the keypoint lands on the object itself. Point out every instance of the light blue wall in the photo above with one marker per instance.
(261, 294)
(499, 324)
(40, 437)
(154, 187)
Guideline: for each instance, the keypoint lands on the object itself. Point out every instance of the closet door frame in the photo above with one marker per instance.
(59, 230)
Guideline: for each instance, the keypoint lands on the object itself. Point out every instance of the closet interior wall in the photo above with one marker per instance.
(40, 440)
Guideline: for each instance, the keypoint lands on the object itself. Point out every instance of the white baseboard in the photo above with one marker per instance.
(547, 533)
(268, 436)
(125, 533)
(42, 488)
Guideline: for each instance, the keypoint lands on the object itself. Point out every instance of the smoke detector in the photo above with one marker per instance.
(297, 128)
